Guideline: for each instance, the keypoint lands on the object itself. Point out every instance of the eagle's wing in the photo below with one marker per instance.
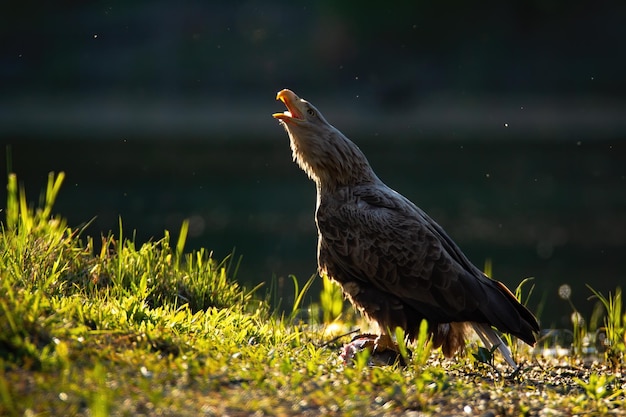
(378, 236)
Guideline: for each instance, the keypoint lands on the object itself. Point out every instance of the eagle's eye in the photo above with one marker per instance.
(311, 112)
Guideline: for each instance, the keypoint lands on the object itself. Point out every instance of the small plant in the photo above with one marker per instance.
(614, 323)
(599, 394)
(299, 294)
(519, 294)
(401, 340)
(579, 325)
(513, 343)
(597, 388)
(331, 300)
(422, 346)
(486, 357)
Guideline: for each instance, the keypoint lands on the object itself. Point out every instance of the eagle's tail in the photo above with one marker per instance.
(490, 338)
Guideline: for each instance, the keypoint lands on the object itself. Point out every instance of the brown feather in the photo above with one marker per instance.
(395, 264)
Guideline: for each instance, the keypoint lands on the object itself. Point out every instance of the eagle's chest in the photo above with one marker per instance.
(332, 250)
(347, 250)
(335, 239)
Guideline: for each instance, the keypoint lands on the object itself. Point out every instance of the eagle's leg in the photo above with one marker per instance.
(385, 342)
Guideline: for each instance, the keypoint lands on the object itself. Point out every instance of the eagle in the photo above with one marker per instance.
(395, 264)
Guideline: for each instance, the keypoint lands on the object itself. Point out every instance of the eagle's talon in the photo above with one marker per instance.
(382, 350)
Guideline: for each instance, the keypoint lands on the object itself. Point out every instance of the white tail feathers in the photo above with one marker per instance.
(490, 338)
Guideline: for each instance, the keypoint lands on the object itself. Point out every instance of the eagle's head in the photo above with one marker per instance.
(322, 151)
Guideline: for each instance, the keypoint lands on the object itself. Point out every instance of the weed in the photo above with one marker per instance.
(299, 294)
(513, 343)
(599, 394)
(615, 326)
(331, 300)
(484, 355)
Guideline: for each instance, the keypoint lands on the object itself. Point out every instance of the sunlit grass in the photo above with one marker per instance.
(124, 329)
(614, 341)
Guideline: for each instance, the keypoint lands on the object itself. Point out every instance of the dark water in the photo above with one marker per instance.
(553, 210)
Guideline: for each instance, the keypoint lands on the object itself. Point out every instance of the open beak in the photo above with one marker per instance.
(290, 99)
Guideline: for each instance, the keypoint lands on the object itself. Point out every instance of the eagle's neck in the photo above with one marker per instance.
(332, 161)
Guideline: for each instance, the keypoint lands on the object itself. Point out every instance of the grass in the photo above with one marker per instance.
(124, 330)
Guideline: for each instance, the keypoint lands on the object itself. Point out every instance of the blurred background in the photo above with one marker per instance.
(505, 122)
